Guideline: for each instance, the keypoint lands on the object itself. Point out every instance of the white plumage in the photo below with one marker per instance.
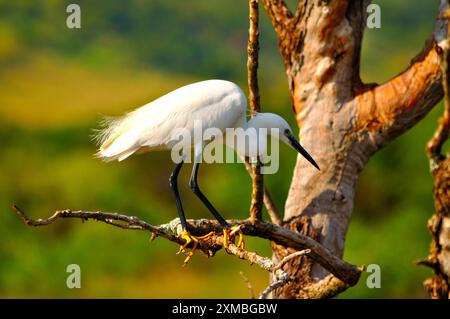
(217, 103)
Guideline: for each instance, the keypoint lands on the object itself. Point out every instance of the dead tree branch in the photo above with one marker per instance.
(271, 208)
(171, 231)
(274, 286)
(388, 110)
(249, 285)
(268, 202)
(434, 146)
(290, 257)
(255, 106)
(328, 287)
(279, 14)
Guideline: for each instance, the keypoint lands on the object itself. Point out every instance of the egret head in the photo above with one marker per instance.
(282, 131)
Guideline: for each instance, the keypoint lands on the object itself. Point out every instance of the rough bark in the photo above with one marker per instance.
(438, 286)
(342, 121)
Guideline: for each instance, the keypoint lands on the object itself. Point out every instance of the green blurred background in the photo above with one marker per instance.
(55, 83)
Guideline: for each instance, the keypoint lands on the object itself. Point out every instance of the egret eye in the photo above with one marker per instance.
(286, 131)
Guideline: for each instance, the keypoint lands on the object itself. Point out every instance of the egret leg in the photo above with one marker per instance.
(173, 182)
(194, 186)
(229, 231)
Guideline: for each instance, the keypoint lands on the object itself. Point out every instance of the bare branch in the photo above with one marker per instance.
(255, 106)
(292, 256)
(271, 208)
(279, 14)
(328, 287)
(434, 146)
(249, 285)
(282, 236)
(252, 257)
(127, 222)
(292, 28)
(277, 284)
(171, 231)
(268, 202)
(252, 60)
(320, 254)
(388, 110)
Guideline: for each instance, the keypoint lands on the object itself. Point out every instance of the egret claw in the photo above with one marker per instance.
(230, 234)
(191, 239)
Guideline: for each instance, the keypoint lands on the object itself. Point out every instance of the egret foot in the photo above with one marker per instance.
(191, 239)
(229, 234)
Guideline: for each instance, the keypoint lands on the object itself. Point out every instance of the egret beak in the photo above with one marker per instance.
(296, 145)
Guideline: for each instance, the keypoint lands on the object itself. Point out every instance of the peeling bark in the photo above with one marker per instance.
(342, 121)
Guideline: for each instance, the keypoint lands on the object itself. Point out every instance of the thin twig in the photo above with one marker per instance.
(127, 222)
(290, 257)
(277, 284)
(272, 209)
(252, 59)
(263, 262)
(255, 106)
(260, 193)
(249, 285)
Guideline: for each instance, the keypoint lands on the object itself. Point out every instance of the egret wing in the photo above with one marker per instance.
(157, 125)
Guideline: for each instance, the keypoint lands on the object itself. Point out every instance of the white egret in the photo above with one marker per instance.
(155, 126)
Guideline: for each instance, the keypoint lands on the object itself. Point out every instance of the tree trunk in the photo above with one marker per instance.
(438, 286)
(342, 121)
